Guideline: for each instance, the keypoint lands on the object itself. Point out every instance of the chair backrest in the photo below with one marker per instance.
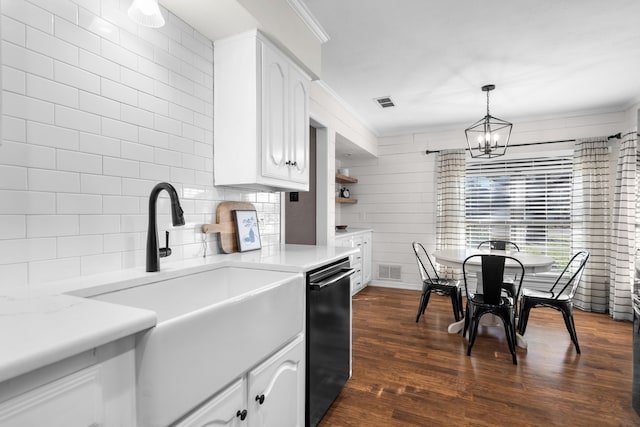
(492, 275)
(425, 265)
(499, 245)
(569, 279)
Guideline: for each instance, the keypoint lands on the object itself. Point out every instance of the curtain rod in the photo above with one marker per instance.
(616, 136)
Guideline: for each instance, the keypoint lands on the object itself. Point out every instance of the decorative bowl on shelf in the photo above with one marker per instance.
(341, 227)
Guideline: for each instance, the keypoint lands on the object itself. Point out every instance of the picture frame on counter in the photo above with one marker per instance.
(247, 230)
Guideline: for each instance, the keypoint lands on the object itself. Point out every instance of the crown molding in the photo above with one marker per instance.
(310, 21)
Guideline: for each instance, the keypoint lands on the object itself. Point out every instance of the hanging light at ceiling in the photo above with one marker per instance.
(489, 136)
(146, 12)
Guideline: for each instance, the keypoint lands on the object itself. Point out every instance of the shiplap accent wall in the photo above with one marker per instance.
(96, 111)
(396, 192)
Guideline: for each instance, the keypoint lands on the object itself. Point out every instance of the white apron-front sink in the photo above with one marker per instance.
(212, 327)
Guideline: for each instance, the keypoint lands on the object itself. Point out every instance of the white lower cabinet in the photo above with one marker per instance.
(361, 261)
(95, 388)
(269, 395)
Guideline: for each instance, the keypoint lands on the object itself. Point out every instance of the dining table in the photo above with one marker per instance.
(533, 263)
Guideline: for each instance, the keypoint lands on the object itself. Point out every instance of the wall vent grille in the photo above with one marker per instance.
(389, 272)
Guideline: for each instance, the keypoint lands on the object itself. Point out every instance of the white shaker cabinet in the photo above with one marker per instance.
(261, 116)
(269, 395)
(361, 261)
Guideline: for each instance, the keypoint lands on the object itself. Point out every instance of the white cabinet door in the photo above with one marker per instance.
(276, 389)
(299, 126)
(75, 400)
(226, 409)
(275, 132)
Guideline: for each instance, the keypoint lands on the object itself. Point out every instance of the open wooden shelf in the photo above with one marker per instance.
(343, 179)
(345, 200)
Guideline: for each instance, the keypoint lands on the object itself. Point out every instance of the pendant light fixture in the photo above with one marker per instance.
(146, 12)
(489, 136)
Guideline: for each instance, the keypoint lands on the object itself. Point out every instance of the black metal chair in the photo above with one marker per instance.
(491, 299)
(431, 281)
(559, 296)
(501, 245)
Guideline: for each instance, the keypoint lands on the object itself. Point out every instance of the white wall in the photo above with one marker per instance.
(96, 111)
(396, 193)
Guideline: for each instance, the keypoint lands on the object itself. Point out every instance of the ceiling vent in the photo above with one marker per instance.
(385, 102)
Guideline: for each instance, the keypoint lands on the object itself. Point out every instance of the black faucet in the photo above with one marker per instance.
(177, 217)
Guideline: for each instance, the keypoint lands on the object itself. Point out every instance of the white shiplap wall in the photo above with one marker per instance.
(96, 111)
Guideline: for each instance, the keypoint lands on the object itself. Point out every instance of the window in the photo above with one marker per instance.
(527, 201)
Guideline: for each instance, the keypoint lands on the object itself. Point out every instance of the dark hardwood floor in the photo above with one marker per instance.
(416, 374)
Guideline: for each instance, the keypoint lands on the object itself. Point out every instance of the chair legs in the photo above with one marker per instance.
(472, 320)
(424, 300)
(566, 308)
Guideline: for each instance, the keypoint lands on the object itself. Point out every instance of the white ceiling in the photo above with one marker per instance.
(547, 58)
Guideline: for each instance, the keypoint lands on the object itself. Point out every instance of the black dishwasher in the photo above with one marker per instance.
(328, 331)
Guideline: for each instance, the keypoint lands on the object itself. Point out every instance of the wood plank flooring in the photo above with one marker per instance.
(416, 374)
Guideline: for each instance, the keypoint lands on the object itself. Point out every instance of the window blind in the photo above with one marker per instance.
(527, 201)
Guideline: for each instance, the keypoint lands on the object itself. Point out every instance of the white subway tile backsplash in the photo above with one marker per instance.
(61, 9)
(121, 167)
(76, 77)
(23, 107)
(99, 224)
(27, 202)
(83, 204)
(14, 80)
(56, 269)
(136, 116)
(100, 184)
(52, 225)
(78, 36)
(78, 162)
(20, 154)
(72, 246)
(52, 136)
(13, 177)
(98, 144)
(96, 111)
(77, 119)
(13, 227)
(25, 250)
(120, 204)
(154, 138)
(119, 55)
(29, 14)
(14, 129)
(27, 60)
(49, 45)
(119, 129)
(140, 152)
(103, 263)
(13, 31)
(99, 105)
(48, 90)
(54, 181)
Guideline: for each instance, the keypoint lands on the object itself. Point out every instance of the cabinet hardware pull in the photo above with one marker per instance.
(241, 414)
(260, 399)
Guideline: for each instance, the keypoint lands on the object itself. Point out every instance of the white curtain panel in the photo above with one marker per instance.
(590, 221)
(623, 247)
(450, 220)
(450, 211)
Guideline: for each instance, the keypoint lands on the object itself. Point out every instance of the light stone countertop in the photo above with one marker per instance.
(44, 324)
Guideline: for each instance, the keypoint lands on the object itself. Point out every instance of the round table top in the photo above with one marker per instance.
(532, 263)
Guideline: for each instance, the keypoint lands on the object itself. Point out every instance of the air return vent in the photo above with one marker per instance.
(385, 102)
(389, 272)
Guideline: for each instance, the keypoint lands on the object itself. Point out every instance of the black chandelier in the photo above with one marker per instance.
(489, 136)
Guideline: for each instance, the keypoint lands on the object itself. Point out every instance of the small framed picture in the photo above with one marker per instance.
(247, 233)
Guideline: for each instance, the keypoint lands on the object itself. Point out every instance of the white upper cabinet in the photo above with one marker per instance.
(261, 116)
